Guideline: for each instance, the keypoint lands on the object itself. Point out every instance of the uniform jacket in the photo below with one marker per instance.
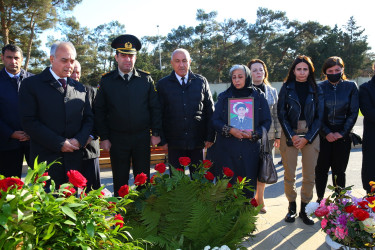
(49, 117)
(341, 107)
(272, 98)
(289, 110)
(245, 124)
(9, 110)
(186, 111)
(126, 107)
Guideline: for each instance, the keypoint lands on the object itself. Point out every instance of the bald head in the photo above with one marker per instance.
(76, 75)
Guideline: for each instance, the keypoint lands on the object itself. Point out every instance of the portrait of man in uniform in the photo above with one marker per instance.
(241, 113)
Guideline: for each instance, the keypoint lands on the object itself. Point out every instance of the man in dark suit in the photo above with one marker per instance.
(91, 152)
(56, 113)
(187, 107)
(14, 142)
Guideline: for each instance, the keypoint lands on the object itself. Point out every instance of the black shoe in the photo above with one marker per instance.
(280, 163)
(305, 218)
(292, 214)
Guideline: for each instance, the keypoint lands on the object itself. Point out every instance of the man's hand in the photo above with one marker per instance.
(20, 135)
(208, 144)
(105, 145)
(75, 142)
(299, 144)
(155, 140)
(331, 137)
(68, 147)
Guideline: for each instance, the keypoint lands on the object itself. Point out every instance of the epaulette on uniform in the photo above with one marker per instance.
(145, 72)
(106, 74)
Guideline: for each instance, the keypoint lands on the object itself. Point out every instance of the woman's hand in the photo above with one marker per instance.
(300, 143)
(240, 134)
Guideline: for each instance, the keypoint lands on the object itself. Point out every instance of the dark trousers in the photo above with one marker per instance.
(195, 155)
(11, 161)
(129, 148)
(334, 155)
(91, 170)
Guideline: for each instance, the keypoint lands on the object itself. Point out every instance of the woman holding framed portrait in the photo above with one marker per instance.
(300, 111)
(240, 113)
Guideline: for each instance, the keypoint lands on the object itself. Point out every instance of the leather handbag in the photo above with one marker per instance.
(267, 171)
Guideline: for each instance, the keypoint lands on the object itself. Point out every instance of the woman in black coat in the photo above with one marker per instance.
(236, 148)
(340, 114)
(367, 106)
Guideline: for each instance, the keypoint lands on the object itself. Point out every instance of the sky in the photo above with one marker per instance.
(141, 17)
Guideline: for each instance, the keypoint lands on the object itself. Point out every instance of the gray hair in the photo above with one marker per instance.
(180, 50)
(57, 45)
(76, 63)
(235, 67)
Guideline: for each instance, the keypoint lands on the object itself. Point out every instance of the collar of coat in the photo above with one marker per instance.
(174, 78)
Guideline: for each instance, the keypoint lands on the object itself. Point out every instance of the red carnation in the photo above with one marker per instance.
(111, 205)
(124, 190)
(180, 169)
(9, 182)
(360, 214)
(321, 211)
(370, 199)
(37, 177)
(152, 180)
(140, 179)
(120, 220)
(228, 172)
(350, 209)
(160, 167)
(76, 178)
(254, 202)
(363, 204)
(207, 163)
(229, 185)
(70, 191)
(184, 161)
(209, 176)
(239, 178)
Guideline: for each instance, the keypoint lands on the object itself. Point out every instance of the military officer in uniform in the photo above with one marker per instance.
(241, 121)
(127, 113)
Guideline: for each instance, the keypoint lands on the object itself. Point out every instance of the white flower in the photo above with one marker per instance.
(369, 225)
(224, 247)
(106, 192)
(207, 248)
(311, 207)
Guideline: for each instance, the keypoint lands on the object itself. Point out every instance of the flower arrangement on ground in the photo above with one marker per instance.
(31, 218)
(176, 212)
(345, 218)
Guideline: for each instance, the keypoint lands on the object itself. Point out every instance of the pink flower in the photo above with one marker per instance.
(323, 223)
(321, 211)
(340, 233)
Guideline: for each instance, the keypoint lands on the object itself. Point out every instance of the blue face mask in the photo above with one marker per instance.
(333, 78)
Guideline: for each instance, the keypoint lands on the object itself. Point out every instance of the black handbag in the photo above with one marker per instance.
(267, 171)
(356, 139)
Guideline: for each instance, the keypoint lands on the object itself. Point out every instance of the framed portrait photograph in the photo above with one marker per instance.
(241, 113)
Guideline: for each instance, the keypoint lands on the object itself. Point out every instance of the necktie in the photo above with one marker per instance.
(183, 81)
(15, 82)
(126, 78)
(63, 83)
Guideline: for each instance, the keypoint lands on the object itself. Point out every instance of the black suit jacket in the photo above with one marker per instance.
(50, 116)
(92, 150)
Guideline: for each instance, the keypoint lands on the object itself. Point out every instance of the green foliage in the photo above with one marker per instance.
(31, 218)
(179, 212)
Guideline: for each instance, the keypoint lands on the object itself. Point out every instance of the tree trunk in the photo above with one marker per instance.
(3, 21)
(30, 43)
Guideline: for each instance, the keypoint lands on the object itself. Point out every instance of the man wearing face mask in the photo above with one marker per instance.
(341, 105)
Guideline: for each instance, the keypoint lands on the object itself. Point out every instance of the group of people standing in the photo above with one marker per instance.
(64, 119)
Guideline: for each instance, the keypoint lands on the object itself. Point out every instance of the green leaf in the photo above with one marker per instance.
(75, 204)
(69, 222)
(90, 229)
(20, 214)
(3, 220)
(28, 228)
(50, 232)
(66, 210)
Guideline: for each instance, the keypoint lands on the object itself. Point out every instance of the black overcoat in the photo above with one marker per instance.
(51, 116)
(367, 106)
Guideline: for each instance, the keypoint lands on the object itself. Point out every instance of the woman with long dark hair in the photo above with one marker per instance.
(237, 148)
(300, 110)
(341, 107)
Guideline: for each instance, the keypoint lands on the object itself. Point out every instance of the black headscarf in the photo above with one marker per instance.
(247, 89)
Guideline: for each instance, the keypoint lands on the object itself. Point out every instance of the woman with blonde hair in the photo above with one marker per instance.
(259, 76)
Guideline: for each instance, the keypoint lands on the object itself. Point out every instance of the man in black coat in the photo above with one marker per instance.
(56, 113)
(14, 142)
(187, 107)
(126, 109)
(367, 106)
(91, 152)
